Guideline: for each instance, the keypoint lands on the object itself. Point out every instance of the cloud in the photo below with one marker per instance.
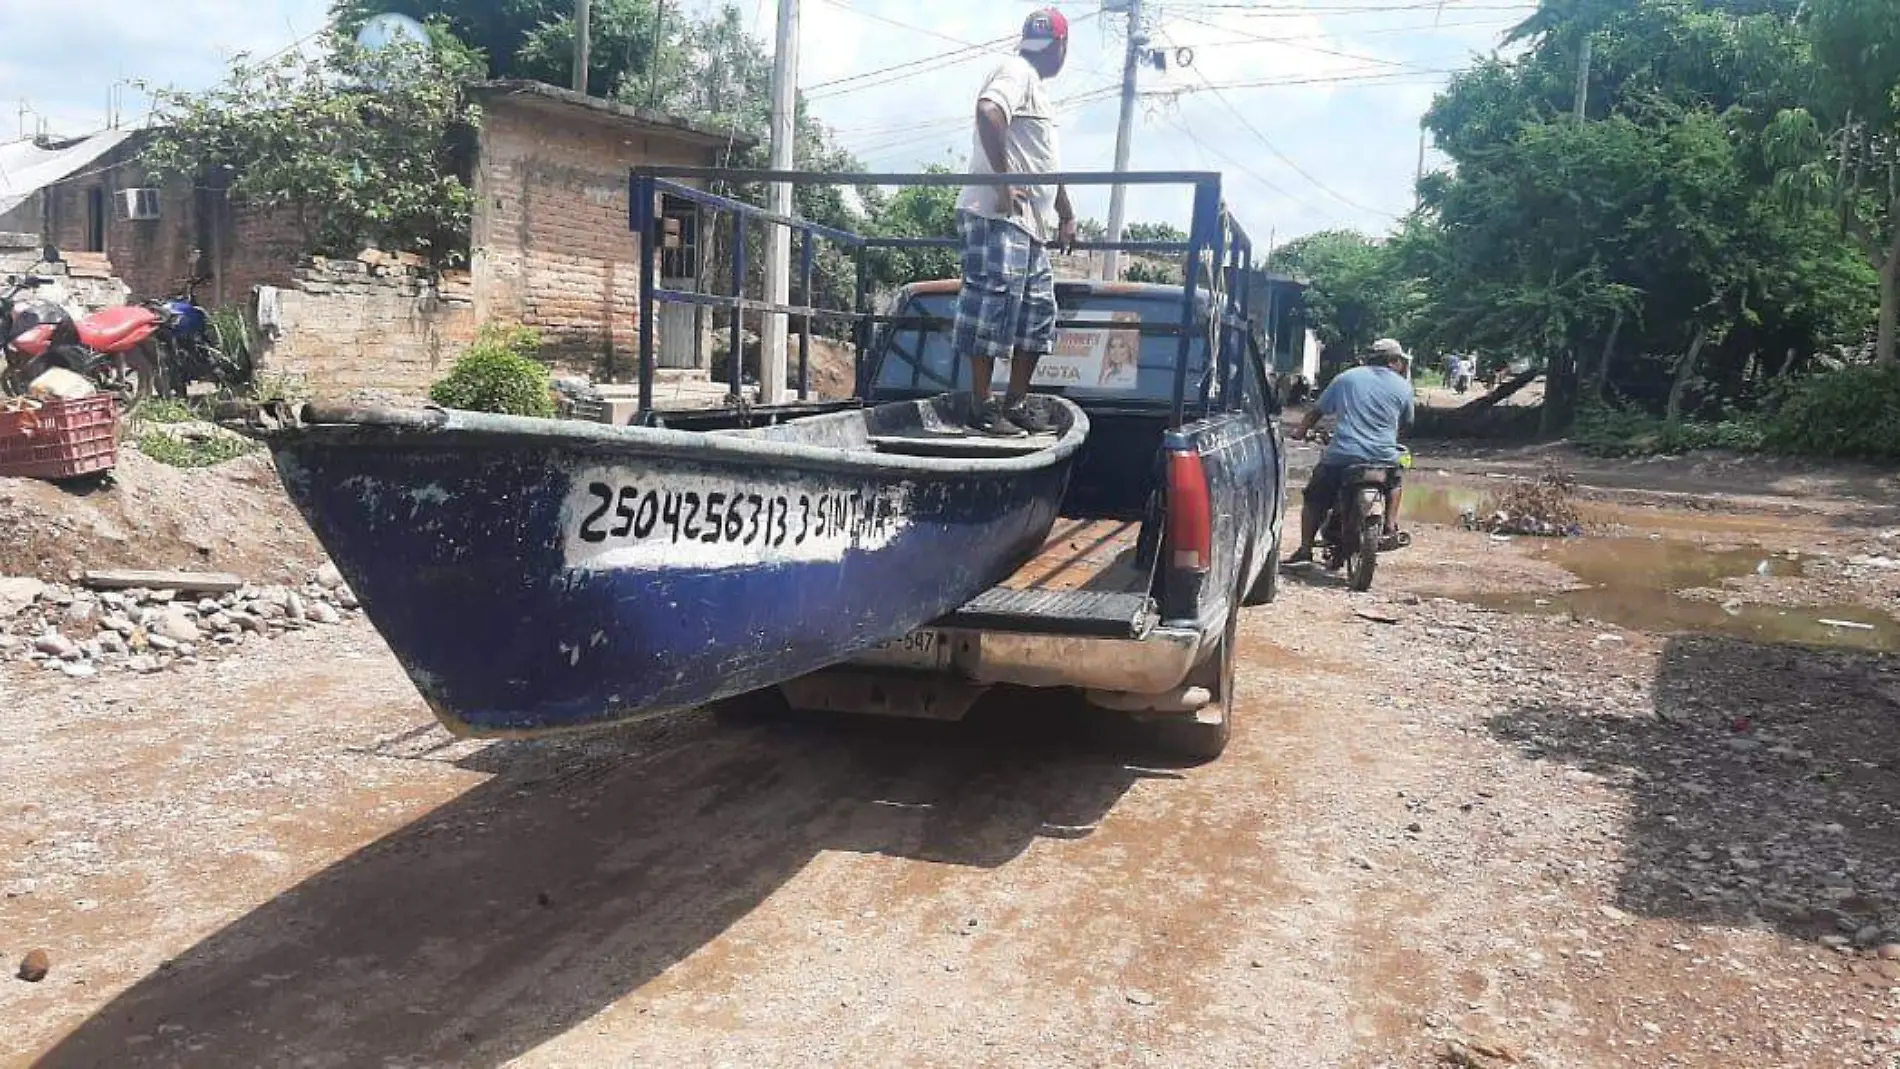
(63, 61)
(1336, 88)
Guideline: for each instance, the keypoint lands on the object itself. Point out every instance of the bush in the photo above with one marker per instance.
(1622, 432)
(1853, 412)
(499, 373)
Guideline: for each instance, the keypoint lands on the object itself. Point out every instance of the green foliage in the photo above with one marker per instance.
(1853, 412)
(162, 410)
(1617, 432)
(358, 144)
(1694, 201)
(499, 373)
(916, 212)
(1153, 232)
(1352, 295)
(180, 452)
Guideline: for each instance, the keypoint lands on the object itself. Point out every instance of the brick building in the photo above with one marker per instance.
(92, 199)
(550, 246)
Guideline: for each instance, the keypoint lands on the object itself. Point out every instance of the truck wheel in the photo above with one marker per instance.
(1204, 735)
(1267, 586)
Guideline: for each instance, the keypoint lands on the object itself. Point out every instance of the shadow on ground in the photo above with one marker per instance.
(582, 870)
(1765, 785)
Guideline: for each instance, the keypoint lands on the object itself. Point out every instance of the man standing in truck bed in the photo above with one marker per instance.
(1007, 307)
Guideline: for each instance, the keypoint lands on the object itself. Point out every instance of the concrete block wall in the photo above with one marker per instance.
(379, 324)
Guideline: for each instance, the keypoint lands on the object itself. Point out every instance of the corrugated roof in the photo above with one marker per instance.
(26, 167)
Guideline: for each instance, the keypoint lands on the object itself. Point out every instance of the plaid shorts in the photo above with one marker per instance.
(1008, 300)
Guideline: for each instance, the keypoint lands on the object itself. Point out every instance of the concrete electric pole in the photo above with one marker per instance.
(774, 331)
(582, 35)
(1124, 132)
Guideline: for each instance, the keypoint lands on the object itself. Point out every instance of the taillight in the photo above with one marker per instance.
(1190, 513)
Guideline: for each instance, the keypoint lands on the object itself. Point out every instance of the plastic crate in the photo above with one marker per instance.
(61, 439)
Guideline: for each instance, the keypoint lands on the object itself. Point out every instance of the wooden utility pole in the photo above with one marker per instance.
(1124, 133)
(582, 34)
(774, 330)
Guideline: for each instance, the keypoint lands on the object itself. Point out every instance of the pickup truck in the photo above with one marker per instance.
(1166, 530)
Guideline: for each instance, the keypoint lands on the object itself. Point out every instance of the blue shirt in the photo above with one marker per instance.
(1371, 403)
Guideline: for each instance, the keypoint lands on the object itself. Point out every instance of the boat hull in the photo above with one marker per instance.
(532, 582)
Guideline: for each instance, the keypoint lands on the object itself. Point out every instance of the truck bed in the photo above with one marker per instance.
(1085, 580)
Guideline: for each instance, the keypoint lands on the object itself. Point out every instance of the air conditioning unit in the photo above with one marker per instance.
(139, 204)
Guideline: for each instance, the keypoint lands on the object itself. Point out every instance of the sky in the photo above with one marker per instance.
(1309, 108)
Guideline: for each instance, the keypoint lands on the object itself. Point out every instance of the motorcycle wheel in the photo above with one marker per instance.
(1365, 556)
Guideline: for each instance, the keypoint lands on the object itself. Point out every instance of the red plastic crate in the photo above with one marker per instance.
(61, 439)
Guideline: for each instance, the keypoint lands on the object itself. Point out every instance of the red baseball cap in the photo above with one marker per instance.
(1043, 29)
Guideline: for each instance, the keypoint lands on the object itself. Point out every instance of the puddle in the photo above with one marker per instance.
(1638, 583)
(1439, 503)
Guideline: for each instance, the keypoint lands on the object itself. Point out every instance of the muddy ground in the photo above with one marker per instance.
(1620, 801)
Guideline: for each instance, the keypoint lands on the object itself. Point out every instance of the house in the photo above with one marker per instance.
(550, 245)
(93, 199)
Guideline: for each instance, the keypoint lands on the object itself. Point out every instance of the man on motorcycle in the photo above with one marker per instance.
(1372, 402)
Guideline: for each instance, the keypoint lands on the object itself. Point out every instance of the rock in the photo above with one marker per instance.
(35, 966)
(293, 607)
(1140, 997)
(1743, 745)
(324, 613)
(1834, 942)
(79, 670)
(142, 663)
(17, 595)
(80, 620)
(161, 597)
(245, 621)
(328, 577)
(206, 606)
(116, 623)
(54, 644)
(1415, 827)
(161, 643)
(347, 598)
(178, 627)
(1888, 970)
(1360, 862)
(1869, 935)
(1888, 952)
(111, 643)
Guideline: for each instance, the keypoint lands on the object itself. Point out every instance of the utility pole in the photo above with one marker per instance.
(1124, 131)
(1583, 77)
(778, 256)
(582, 35)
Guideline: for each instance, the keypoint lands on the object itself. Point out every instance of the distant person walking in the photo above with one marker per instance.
(1007, 307)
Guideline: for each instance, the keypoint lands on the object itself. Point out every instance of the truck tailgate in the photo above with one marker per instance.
(1085, 580)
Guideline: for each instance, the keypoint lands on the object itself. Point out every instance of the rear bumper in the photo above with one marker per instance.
(1157, 662)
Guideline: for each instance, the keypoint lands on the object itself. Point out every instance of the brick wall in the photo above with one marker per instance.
(384, 327)
(240, 246)
(550, 244)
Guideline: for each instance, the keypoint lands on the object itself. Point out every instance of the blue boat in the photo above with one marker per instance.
(536, 575)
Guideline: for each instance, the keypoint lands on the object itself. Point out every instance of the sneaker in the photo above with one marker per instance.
(988, 418)
(1303, 555)
(1029, 418)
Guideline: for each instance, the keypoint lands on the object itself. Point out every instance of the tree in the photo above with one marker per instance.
(1352, 296)
(1642, 253)
(1842, 150)
(360, 145)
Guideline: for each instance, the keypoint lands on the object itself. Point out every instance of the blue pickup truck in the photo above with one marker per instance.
(1170, 524)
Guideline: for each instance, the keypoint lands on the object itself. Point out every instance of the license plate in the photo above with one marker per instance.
(927, 648)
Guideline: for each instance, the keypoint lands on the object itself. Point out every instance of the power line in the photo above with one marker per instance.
(920, 65)
(1316, 48)
(1266, 141)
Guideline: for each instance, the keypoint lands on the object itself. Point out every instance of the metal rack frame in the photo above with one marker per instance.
(1213, 233)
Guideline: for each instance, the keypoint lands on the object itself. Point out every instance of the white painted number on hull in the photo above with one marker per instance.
(622, 518)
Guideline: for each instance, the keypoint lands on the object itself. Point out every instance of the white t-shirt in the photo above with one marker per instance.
(1029, 147)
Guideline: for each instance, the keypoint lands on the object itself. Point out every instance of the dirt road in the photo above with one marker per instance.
(1500, 829)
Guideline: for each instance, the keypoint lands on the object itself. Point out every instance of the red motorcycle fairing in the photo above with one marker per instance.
(33, 341)
(114, 330)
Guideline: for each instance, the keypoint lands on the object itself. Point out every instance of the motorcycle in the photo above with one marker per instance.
(112, 347)
(1354, 531)
(188, 350)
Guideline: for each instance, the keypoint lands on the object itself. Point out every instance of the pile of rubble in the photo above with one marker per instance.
(83, 632)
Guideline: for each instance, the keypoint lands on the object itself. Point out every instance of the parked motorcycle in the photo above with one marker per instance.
(112, 347)
(188, 349)
(1356, 525)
